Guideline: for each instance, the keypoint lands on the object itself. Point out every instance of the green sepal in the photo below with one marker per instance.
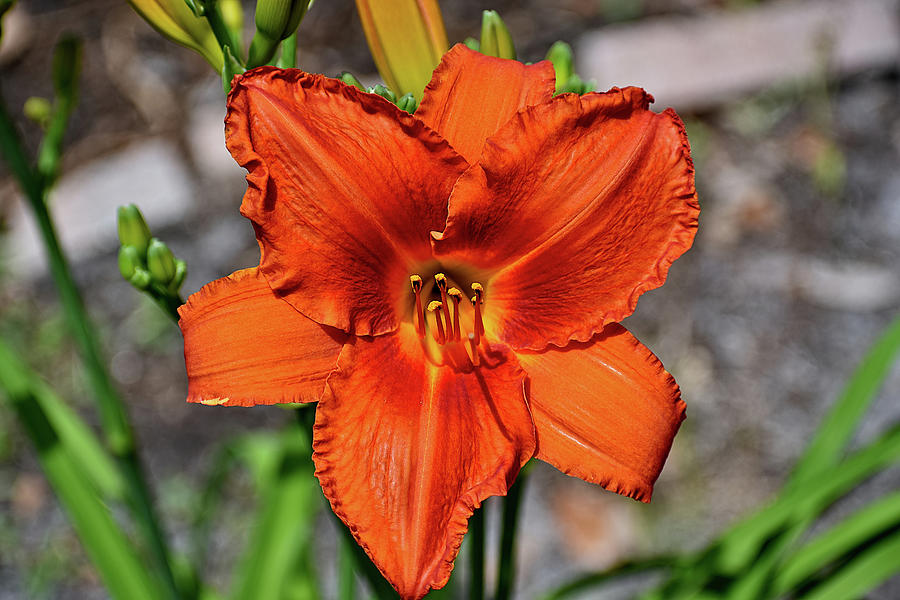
(160, 262)
(133, 230)
(384, 92)
(408, 103)
(350, 79)
(472, 44)
(231, 66)
(560, 54)
(129, 262)
(495, 37)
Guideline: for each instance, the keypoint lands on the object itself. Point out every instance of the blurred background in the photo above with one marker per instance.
(793, 112)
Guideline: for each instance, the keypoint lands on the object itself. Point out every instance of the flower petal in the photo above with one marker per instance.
(406, 450)
(471, 96)
(243, 345)
(578, 206)
(605, 410)
(343, 191)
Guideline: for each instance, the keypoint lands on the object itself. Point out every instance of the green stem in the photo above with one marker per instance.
(506, 574)
(114, 421)
(220, 30)
(476, 554)
(288, 58)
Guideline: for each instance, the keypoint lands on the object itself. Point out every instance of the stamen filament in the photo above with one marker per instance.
(416, 283)
(456, 295)
(441, 281)
(434, 307)
(473, 346)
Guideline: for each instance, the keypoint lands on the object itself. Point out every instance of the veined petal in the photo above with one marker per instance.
(605, 410)
(343, 191)
(577, 207)
(472, 95)
(406, 450)
(243, 345)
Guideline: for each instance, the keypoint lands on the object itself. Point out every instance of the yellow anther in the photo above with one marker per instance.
(455, 294)
(479, 291)
(434, 305)
(441, 281)
(416, 283)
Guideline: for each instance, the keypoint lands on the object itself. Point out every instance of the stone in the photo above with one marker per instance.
(702, 61)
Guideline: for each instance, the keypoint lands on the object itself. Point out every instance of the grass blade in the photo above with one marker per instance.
(842, 540)
(869, 569)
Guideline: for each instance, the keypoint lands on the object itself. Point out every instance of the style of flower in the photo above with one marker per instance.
(448, 286)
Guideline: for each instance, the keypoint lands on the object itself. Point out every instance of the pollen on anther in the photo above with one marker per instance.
(434, 307)
(441, 281)
(416, 283)
(479, 290)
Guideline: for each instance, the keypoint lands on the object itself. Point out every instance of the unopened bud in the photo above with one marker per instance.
(495, 37)
(160, 262)
(141, 279)
(560, 54)
(180, 274)
(408, 103)
(275, 21)
(133, 230)
(129, 262)
(38, 110)
(349, 79)
(472, 44)
(384, 92)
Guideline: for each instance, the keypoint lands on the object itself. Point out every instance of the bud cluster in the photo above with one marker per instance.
(146, 262)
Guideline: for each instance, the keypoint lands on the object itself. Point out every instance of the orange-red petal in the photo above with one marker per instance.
(406, 450)
(604, 410)
(243, 345)
(471, 96)
(578, 206)
(343, 190)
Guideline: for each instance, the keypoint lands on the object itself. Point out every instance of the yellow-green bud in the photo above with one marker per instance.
(472, 44)
(349, 79)
(560, 54)
(39, 110)
(407, 102)
(141, 279)
(160, 262)
(129, 262)
(133, 230)
(495, 37)
(384, 92)
(275, 21)
(180, 274)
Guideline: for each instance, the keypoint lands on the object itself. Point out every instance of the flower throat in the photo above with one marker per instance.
(452, 327)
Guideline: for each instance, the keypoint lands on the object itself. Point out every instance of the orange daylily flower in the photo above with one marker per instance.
(375, 226)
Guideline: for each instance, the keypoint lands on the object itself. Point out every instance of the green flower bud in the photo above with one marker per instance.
(160, 262)
(384, 92)
(472, 44)
(180, 274)
(495, 37)
(408, 103)
(39, 110)
(129, 261)
(141, 279)
(349, 79)
(275, 21)
(560, 54)
(133, 230)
